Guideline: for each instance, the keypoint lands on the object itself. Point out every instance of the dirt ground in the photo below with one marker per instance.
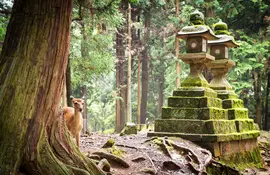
(141, 155)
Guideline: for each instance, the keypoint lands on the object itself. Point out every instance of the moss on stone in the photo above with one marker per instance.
(243, 125)
(196, 18)
(242, 160)
(232, 103)
(115, 151)
(238, 113)
(220, 127)
(195, 92)
(130, 128)
(194, 82)
(194, 113)
(194, 102)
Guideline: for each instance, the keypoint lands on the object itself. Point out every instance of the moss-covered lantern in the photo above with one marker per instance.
(220, 50)
(196, 36)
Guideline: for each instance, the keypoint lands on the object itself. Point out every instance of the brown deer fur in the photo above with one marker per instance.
(73, 118)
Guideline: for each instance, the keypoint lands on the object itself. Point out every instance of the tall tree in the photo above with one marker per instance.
(145, 74)
(32, 67)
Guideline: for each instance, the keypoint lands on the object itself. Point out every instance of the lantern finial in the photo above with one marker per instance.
(196, 18)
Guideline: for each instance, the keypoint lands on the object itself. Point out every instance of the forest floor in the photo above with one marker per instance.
(141, 155)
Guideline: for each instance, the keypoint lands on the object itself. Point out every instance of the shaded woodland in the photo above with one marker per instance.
(121, 57)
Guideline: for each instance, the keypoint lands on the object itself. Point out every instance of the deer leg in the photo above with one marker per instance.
(78, 139)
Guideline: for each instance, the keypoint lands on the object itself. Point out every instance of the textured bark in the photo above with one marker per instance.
(68, 84)
(266, 113)
(120, 103)
(121, 106)
(258, 97)
(145, 74)
(178, 68)
(160, 93)
(32, 67)
(85, 124)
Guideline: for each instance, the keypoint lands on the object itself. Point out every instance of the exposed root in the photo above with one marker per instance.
(111, 157)
(104, 165)
(126, 146)
(155, 169)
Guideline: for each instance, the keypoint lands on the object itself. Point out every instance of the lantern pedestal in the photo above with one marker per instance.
(219, 69)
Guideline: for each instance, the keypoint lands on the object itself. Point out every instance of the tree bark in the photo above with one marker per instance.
(160, 93)
(84, 92)
(178, 68)
(266, 113)
(120, 84)
(258, 97)
(68, 84)
(129, 106)
(145, 75)
(32, 68)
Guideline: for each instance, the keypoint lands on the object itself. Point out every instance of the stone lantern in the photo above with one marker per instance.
(196, 37)
(220, 50)
(195, 112)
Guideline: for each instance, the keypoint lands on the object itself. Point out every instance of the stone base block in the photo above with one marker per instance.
(195, 92)
(237, 113)
(195, 126)
(232, 103)
(194, 102)
(194, 113)
(209, 138)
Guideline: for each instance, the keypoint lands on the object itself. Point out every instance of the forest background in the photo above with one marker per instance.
(101, 45)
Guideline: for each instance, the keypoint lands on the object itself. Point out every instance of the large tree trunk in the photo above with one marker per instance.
(145, 68)
(120, 84)
(32, 67)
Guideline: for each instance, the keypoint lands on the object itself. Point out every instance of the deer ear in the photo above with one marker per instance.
(71, 97)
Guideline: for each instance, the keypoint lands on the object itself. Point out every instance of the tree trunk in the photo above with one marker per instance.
(266, 113)
(68, 84)
(120, 103)
(129, 106)
(145, 68)
(258, 98)
(160, 93)
(177, 47)
(84, 92)
(32, 67)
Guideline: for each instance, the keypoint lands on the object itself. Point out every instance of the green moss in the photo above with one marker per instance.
(194, 102)
(195, 82)
(194, 113)
(195, 92)
(115, 151)
(232, 103)
(238, 113)
(196, 18)
(242, 160)
(221, 28)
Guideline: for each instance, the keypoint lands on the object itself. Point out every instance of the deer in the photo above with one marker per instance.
(74, 119)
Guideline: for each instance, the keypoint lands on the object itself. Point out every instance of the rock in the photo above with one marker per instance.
(109, 143)
(130, 128)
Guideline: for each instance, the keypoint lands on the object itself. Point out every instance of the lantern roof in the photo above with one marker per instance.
(221, 31)
(197, 30)
(224, 40)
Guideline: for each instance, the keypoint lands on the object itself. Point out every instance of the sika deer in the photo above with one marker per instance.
(73, 118)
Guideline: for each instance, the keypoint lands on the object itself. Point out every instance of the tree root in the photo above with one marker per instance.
(194, 163)
(126, 146)
(104, 165)
(113, 158)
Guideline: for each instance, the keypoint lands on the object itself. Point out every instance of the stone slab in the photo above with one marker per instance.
(194, 113)
(232, 103)
(194, 102)
(195, 92)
